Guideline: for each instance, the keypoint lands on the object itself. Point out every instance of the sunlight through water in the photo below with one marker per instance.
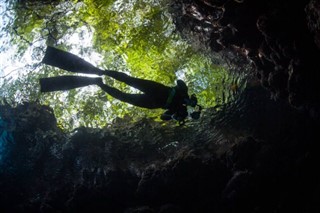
(135, 37)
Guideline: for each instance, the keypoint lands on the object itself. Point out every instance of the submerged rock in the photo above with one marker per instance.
(278, 41)
(217, 165)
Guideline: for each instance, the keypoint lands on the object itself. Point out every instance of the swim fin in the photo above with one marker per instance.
(69, 62)
(61, 83)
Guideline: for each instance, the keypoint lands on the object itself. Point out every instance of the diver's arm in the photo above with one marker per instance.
(180, 115)
(166, 116)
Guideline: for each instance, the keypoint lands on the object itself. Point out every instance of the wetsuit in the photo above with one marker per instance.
(155, 95)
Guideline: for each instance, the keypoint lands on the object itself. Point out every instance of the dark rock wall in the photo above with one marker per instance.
(252, 155)
(279, 39)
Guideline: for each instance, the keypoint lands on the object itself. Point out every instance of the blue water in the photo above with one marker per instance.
(5, 139)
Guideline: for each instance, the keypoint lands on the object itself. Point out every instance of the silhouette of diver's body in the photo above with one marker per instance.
(155, 95)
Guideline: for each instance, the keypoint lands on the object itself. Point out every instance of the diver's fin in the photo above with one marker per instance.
(61, 83)
(69, 62)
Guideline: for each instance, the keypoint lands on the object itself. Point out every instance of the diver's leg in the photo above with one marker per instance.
(146, 86)
(140, 100)
(61, 83)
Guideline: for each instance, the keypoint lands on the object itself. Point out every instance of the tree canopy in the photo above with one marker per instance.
(136, 37)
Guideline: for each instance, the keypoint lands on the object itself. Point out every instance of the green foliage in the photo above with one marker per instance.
(133, 36)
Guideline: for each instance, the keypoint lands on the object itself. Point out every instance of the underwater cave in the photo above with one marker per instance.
(254, 148)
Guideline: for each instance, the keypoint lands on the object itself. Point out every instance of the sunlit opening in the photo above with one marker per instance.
(134, 37)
